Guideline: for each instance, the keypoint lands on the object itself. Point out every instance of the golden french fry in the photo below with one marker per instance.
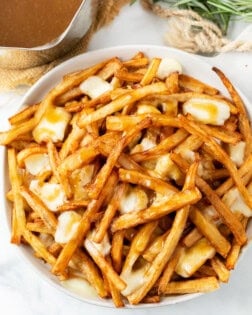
(189, 83)
(206, 284)
(244, 124)
(172, 83)
(23, 115)
(38, 247)
(18, 212)
(192, 237)
(210, 231)
(117, 250)
(7, 137)
(90, 271)
(168, 271)
(221, 271)
(151, 71)
(105, 267)
(37, 205)
(163, 147)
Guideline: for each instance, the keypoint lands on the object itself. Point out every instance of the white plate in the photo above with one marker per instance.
(191, 65)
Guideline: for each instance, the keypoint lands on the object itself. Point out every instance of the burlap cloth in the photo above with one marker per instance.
(11, 78)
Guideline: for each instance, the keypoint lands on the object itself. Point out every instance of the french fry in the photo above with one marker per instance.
(189, 83)
(168, 271)
(23, 115)
(90, 271)
(192, 237)
(38, 247)
(6, 137)
(210, 231)
(206, 284)
(18, 214)
(151, 71)
(176, 201)
(37, 205)
(163, 147)
(172, 83)
(109, 214)
(220, 269)
(104, 265)
(244, 124)
(117, 250)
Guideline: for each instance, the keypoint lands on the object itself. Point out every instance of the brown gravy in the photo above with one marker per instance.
(31, 23)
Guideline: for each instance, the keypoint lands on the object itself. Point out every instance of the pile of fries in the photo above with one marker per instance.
(113, 180)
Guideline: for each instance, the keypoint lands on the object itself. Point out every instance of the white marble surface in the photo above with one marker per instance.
(23, 292)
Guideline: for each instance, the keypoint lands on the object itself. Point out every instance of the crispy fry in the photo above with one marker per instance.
(206, 284)
(18, 212)
(244, 124)
(151, 71)
(168, 271)
(189, 83)
(220, 269)
(192, 237)
(105, 267)
(39, 247)
(117, 250)
(7, 137)
(210, 231)
(37, 205)
(109, 214)
(23, 115)
(90, 271)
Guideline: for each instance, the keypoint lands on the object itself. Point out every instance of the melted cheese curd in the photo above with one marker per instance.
(64, 193)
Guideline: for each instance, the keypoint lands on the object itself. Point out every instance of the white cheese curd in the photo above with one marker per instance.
(233, 199)
(52, 125)
(207, 110)
(166, 168)
(146, 109)
(144, 145)
(68, 223)
(237, 152)
(80, 286)
(168, 66)
(103, 247)
(135, 199)
(37, 163)
(194, 257)
(51, 194)
(95, 86)
(134, 280)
